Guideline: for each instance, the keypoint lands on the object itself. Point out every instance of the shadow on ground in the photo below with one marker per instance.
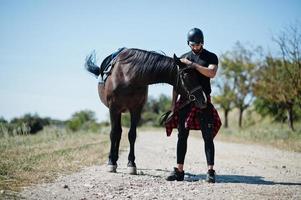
(220, 178)
(236, 179)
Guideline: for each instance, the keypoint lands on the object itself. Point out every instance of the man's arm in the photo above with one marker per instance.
(209, 72)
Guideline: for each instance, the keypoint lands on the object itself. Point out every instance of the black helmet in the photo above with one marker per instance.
(195, 36)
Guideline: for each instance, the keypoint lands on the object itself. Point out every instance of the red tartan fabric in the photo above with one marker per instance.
(192, 122)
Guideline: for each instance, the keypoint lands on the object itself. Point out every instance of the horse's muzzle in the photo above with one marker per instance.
(199, 98)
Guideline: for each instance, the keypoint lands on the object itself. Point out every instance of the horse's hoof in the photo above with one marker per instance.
(132, 170)
(112, 168)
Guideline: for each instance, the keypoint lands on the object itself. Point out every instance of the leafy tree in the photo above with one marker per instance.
(241, 65)
(277, 89)
(280, 78)
(289, 42)
(226, 95)
(276, 110)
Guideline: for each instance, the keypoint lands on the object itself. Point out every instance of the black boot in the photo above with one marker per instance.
(210, 176)
(176, 175)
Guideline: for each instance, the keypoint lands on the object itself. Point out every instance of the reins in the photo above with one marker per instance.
(191, 97)
(166, 116)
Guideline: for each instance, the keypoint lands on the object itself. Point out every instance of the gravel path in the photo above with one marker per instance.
(243, 172)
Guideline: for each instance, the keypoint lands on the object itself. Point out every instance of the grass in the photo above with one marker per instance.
(263, 131)
(31, 159)
(275, 135)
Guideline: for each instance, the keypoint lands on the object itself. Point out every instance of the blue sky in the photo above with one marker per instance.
(43, 44)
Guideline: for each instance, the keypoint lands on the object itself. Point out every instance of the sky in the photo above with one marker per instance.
(43, 44)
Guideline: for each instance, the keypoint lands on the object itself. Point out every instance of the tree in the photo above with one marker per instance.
(275, 87)
(276, 110)
(226, 95)
(280, 78)
(241, 65)
(289, 42)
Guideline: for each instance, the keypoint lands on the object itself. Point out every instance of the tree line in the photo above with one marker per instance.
(32, 123)
(84, 120)
(272, 84)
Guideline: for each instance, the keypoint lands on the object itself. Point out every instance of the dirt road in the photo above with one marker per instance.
(243, 172)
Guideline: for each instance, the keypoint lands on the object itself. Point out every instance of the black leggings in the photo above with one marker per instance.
(206, 120)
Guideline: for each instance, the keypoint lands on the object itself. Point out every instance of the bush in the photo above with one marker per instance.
(33, 122)
(150, 119)
(8, 129)
(83, 120)
(3, 121)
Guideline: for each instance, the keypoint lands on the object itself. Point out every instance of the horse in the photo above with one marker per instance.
(126, 89)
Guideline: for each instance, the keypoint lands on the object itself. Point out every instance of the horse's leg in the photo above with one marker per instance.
(135, 117)
(115, 136)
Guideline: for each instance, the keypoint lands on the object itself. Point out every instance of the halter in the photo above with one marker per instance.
(191, 96)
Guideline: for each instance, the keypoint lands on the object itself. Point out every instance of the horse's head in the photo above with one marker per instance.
(188, 84)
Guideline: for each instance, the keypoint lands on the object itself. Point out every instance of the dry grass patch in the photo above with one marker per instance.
(31, 159)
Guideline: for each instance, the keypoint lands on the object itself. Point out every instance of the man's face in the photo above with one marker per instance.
(196, 48)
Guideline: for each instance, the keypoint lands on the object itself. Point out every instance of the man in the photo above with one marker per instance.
(205, 63)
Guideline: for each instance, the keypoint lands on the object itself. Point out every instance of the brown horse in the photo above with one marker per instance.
(126, 87)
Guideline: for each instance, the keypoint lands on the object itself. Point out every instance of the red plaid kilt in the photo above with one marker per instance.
(192, 122)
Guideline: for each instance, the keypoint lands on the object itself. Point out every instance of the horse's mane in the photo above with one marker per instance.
(147, 62)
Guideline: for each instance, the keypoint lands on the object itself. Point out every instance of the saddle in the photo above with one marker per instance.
(107, 65)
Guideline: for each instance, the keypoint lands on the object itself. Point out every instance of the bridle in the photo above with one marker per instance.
(189, 93)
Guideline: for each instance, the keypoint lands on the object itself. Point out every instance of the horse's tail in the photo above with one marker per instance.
(91, 66)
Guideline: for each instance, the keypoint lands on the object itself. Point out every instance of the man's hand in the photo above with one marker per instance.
(187, 62)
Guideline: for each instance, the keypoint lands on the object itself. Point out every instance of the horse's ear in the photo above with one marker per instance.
(176, 59)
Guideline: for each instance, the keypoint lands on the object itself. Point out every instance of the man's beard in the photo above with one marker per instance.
(197, 51)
